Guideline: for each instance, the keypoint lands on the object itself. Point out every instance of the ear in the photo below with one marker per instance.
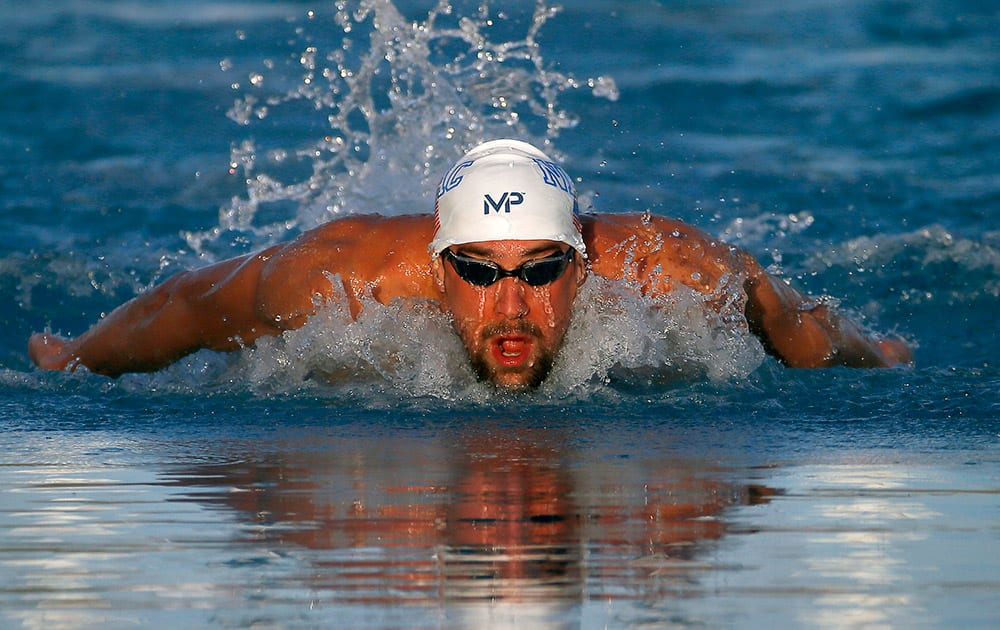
(437, 268)
(581, 269)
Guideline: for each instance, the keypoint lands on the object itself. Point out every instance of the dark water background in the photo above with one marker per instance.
(851, 145)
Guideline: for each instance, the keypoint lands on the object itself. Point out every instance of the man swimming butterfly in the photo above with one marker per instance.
(504, 254)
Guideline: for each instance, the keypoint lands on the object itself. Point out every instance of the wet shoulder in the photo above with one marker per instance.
(371, 255)
(656, 252)
(373, 232)
(362, 245)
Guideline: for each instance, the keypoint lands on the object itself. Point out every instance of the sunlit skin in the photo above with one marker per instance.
(230, 304)
(511, 330)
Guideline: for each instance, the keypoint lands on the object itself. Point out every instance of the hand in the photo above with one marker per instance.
(48, 351)
(895, 351)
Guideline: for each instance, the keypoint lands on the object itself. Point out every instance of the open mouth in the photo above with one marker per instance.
(511, 350)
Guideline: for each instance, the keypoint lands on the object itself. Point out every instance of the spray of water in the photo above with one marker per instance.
(398, 100)
(617, 337)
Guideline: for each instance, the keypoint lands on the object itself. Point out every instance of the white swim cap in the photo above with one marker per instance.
(506, 190)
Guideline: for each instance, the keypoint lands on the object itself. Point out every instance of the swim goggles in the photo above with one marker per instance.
(483, 273)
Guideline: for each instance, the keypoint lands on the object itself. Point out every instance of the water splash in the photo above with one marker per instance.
(398, 101)
(401, 347)
(617, 337)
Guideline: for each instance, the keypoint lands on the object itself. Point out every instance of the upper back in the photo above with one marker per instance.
(657, 253)
(381, 257)
(386, 258)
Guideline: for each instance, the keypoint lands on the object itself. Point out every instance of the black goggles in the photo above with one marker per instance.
(483, 273)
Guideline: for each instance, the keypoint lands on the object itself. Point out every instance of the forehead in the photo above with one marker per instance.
(510, 248)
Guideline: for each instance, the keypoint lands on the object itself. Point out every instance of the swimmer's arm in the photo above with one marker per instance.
(661, 253)
(214, 307)
(804, 334)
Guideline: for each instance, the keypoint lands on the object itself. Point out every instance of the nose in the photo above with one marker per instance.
(510, 300)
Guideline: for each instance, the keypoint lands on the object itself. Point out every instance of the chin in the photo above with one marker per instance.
(516, 384)
(523, 379)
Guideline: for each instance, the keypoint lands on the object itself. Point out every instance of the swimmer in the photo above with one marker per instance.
(504, 254)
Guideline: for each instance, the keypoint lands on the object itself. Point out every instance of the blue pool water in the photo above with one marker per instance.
(853, 146)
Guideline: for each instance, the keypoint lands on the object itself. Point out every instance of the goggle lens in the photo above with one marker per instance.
(483, 273)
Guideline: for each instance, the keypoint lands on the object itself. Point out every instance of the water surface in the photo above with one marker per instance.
(666, 476)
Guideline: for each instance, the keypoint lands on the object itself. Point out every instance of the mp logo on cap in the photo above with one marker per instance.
(505, 201)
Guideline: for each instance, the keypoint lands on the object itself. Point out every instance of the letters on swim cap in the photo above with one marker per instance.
(506, 190)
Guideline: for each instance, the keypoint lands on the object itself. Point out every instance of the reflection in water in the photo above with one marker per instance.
(504, 519)
(864, 556)
(512, 530)
(478, 528)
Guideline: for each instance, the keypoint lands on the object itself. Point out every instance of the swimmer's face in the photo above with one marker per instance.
(512, 330)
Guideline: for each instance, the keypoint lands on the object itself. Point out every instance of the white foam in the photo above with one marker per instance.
(407, 347)
(619, 335)
(616, 335)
